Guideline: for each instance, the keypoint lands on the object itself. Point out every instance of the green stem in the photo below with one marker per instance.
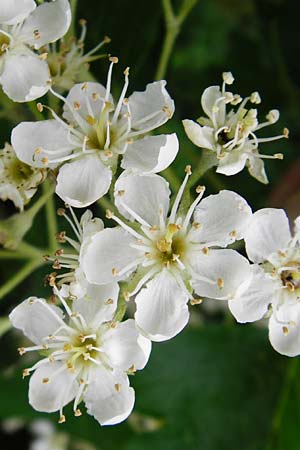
(206, 162)
(283, 399)
(173, 25)
(16, 279)
(50, 218)
(171, 176)
(71, 31)
(122, 305)
(24, 251)
(105, 204)
(37, 206)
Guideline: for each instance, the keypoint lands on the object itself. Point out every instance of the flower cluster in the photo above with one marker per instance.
(166, 248)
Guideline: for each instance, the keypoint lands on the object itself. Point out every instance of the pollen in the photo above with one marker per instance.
(45, 380)
(220, 283)
(118, 387)
(205, 250)
(285, 331)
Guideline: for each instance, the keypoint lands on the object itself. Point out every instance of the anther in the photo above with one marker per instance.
(76, 106)
(167, 110)
(121, 193)
(114, 271)
(25, 373)
(83, 86)
(62, 419)
(40, 107)
(45, 380)
(200, 189)
(82, 22)
(43, 56)
(196, 301)
(38, 150)
(77, 413)
(44, 160)
(196, 225)
(126, 71)
(21, 351)
(255, 98)
(106, 40)
(109, 214)
(56, 265)
(113, 59)
(109, 301)
(126, 296)
(132, 369)
(61, 237)
(278, 156)
(233, 233)
(95, 96)
(285, 331)
(286, 132)
(36, 34)
(205, 250)
(220, 283)
(117, 387)
(59, 252)
(188, 169)
(227, 77)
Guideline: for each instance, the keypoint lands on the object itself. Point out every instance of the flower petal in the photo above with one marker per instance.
(98, 304)
(223, 218)
(10, 192)
(88, 98)
(227, 271)
(36, 318)
(146, 195)
(161, 308)
(49, 135)
(83, 181)
(284, 327)
(155, 99)
(209, 98)
(203, 137)
(125, 346)
(267, 233)
(55, 394)
(108, 252)
(252, 304)
(15, 11)
(256, 169)
(151, 154)
(25, 77)
(109, 398)
(47, 23)
(232, 163)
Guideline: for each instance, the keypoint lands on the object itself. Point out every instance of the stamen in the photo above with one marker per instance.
(110, 215)
(134, 214)
(140, 284)
(122, 96)
(200, 191)
(179, 194)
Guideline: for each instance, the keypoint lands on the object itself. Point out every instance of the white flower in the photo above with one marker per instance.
(172, 256)
(25, 76)
(274, 286)
(46, 437)
(69, 259)
(87, 148)
(231, 134)
(18, 181)
(88, 357)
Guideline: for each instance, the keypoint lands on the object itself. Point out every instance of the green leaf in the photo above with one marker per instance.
(212, 388)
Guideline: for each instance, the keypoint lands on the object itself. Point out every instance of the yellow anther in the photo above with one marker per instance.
(90, 120)
(95, 96)
(132, 369)
(126, 72)
(196, 301)
(196, 225)
(200, 189)
(25, 373)
(109, 214)
(67, 347)
(77, 413)
(233, 233)
(121, 193)
(44, 160)
(188, 169)
(117, 387)
(40, 107)
(36, 34)
(114, 271)
(278, 155)
(205, 250)
(286, 132)
(285, 331)
(83, 86)
(114, 59)
(220, 283)
(21, 351)
(109, 301)
(62, 419)
(82, 22)
(45, 380)
(43, 56)
(76, 105)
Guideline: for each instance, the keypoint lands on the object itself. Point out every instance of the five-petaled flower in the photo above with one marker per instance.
(24, 27)
(87, 147)
(170, 253)
(274, 285)
(89, 355)
(231, 135)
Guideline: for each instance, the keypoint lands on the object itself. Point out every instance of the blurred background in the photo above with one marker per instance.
(218, 385)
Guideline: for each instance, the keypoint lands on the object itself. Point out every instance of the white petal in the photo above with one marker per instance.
(223, 218)
(284, 326)
(25, 77)
(146, 195)
(83, 181)
(267, 233)
(98, 304)
(15, 11)
(50, 20)
(36, 318)
(89, 224)
(203, 137)
(151, 154)
(232, 163)
(154, 99)
(252, 304)
(109, 397)
(108, 251)
(208, 101)
(51, 396)
(88, 97)
(229, 267)
(125, 346)
(47, 134)
(161, 308)
(257, 169)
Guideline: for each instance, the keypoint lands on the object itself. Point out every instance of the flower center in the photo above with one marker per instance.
(4, 43)
(83, 349)
(291, 276)
(172, 246)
